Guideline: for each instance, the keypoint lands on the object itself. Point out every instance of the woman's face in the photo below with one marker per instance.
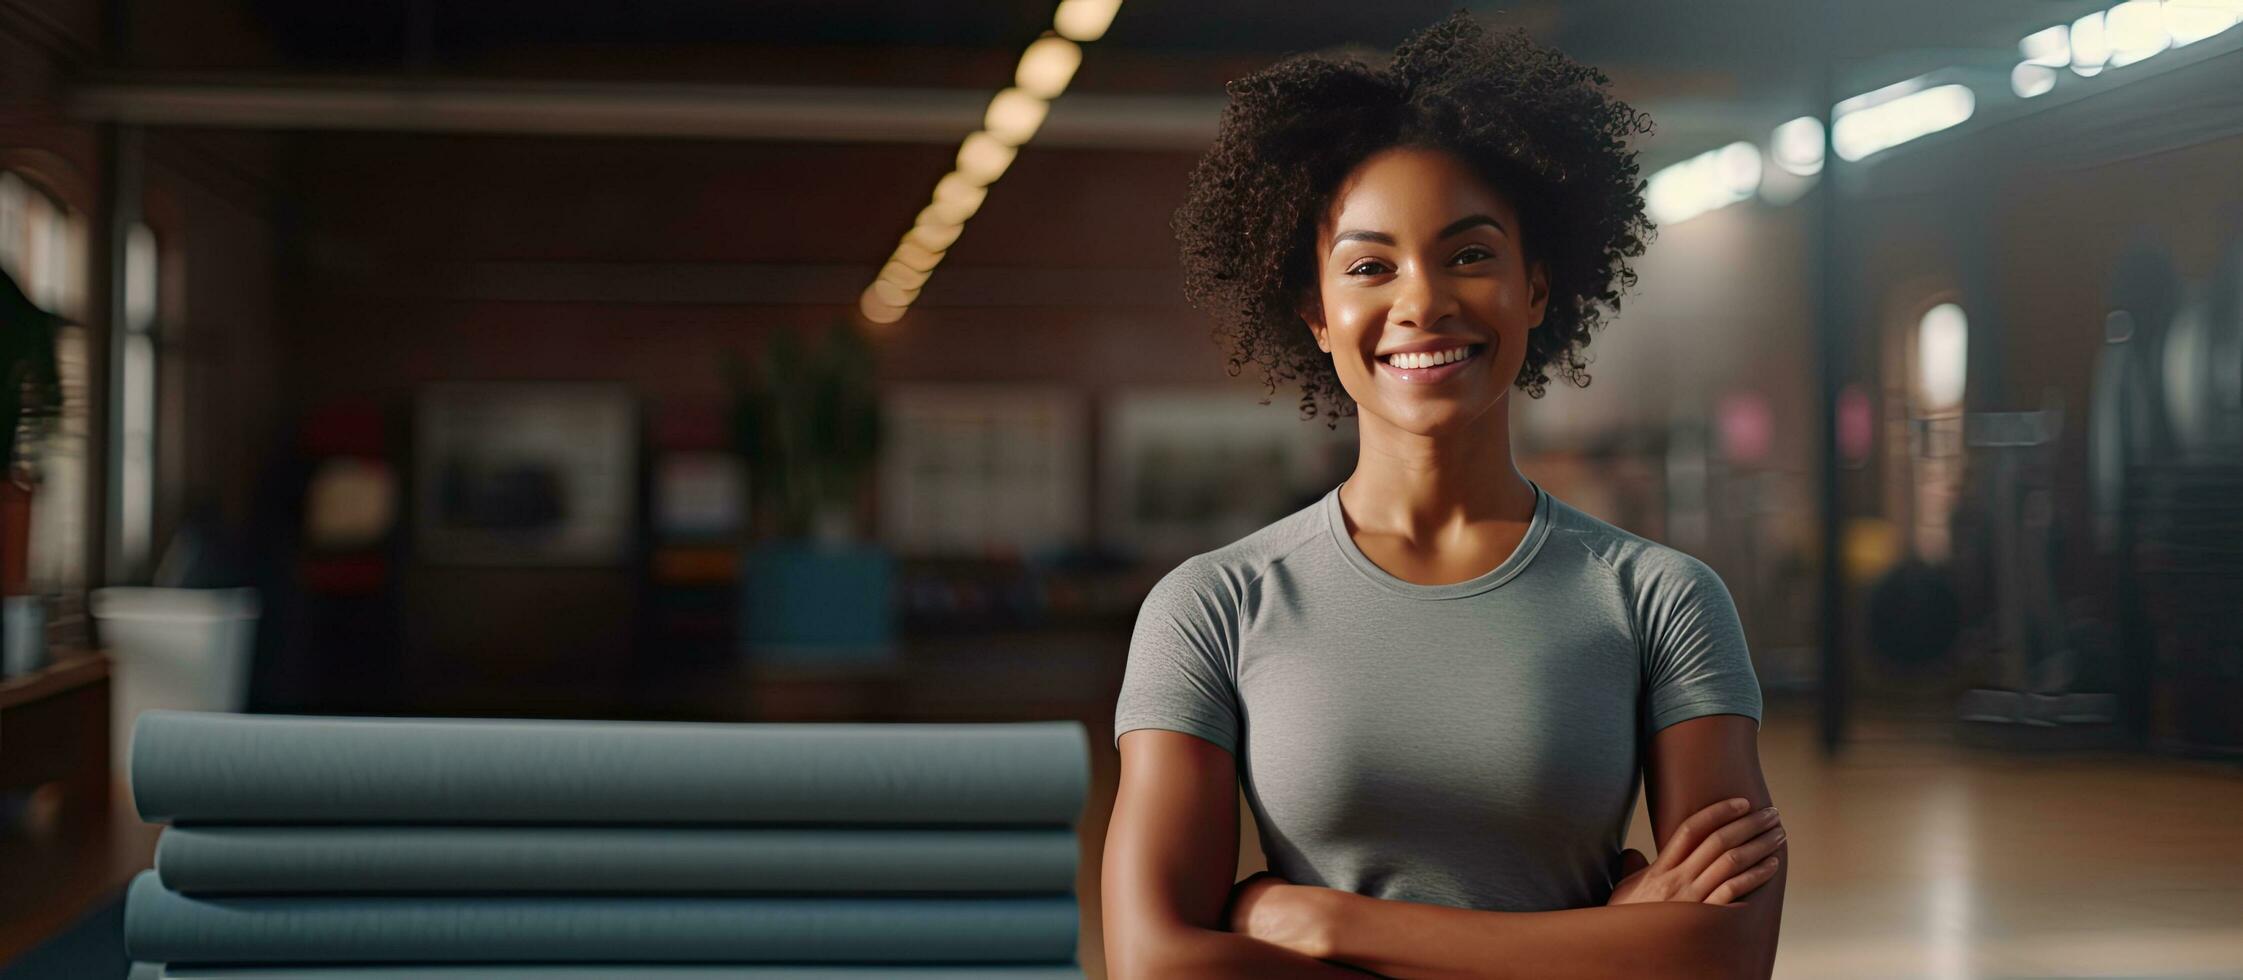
(1420, 258)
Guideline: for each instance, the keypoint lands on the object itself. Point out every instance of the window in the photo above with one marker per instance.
(1942, 350)
(1936, 359)
(136, 405)
(43, 245)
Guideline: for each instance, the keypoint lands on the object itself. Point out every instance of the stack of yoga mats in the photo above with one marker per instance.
(365, 848)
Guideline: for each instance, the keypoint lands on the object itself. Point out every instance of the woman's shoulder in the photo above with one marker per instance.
(1638, 561)
(1234, 567)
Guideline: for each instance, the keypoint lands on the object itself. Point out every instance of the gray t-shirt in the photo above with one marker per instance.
(1476, 744)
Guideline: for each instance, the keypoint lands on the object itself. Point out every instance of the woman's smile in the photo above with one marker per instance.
(1430, 367)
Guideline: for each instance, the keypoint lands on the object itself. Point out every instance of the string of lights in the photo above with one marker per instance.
(1014, 115)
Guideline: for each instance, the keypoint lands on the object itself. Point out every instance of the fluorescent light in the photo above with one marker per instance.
(1797, 146)
(1878, 96)
(2190, 21)
(2029, 80)
(2090, 45)
(2049, 47)
(1710, 180)
(1047, 66)
(1014, 116)
(1084, 20)
(2135, 30)
(1885, 125)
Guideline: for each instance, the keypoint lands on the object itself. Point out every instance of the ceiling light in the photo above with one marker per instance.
(2135, 30)
(1797, 146)
(1014, 116)
(982, 158)
(1047, 66)
(935, 237)
(1012, 119)
(957, 198)
(1713, 179)
(891, 293)
(2190, 21)
(2051, 47)
(877, 311)
(917, 256)
(904, 275)
(951, 212)
(2028, 80)
(1862, 132)
(1084, 20)
(2090, 45)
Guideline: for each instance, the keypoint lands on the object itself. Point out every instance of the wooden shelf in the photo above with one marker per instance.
(65, 673)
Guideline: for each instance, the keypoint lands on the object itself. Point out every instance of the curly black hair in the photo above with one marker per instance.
(1530, 121)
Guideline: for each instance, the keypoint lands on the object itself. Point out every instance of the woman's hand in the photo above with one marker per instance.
(1273, 910)
(1717, 856)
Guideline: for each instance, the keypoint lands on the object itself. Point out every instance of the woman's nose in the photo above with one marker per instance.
(1420, 300)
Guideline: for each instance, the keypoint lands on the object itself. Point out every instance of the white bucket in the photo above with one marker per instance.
(183, 649)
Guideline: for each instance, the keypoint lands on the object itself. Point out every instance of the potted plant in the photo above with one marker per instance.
(806, 418)
(30, 400)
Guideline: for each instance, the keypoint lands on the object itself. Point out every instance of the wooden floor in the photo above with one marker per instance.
(1912, 856)
(1915, 857)
(56, 866)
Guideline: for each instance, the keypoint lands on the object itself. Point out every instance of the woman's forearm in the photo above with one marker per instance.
(1650, 939)
(1186, 951)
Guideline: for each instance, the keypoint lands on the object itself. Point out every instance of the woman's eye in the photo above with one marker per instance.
(1367, 267)
(1472, 254)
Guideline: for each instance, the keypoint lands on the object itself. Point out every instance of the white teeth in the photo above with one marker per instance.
(1426, 360)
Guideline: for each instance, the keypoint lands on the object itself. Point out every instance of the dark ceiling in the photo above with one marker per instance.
(1756, 39)
(1704, 69)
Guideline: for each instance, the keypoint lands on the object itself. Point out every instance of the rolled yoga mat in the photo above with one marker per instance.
(592, 860)
(190, 767)
(631, 971)
(166, 927)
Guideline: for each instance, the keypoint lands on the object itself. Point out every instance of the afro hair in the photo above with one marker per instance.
(1533, 123)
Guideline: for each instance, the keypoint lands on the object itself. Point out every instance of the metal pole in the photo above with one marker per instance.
(1829, 356)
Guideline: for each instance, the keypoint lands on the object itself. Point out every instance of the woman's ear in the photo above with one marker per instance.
(1538, 291)
(1311, 312)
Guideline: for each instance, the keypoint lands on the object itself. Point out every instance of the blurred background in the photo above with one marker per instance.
(744, 361)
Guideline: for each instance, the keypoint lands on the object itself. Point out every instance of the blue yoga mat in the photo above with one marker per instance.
(191, 767)
(166, 927)
(592, 860)
(630, 971)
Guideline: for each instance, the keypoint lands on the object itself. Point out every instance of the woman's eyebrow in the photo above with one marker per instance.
(1359, 235)
(1470, 221)
(1454, 227)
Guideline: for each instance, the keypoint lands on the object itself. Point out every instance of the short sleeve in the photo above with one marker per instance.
(1694, 646)
(1181, 674)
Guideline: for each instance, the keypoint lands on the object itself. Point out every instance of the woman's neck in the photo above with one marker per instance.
(1423, 488)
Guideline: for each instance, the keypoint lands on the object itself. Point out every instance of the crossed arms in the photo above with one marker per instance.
(1169, 910)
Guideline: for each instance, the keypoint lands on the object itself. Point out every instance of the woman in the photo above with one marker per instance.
(1437, 686)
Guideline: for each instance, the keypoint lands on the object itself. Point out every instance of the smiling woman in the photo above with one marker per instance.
(1438, 686)
(1533, 123)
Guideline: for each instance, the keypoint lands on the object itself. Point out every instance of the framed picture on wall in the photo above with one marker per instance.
(525, 473)
(1183, 470)
(983, 470)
